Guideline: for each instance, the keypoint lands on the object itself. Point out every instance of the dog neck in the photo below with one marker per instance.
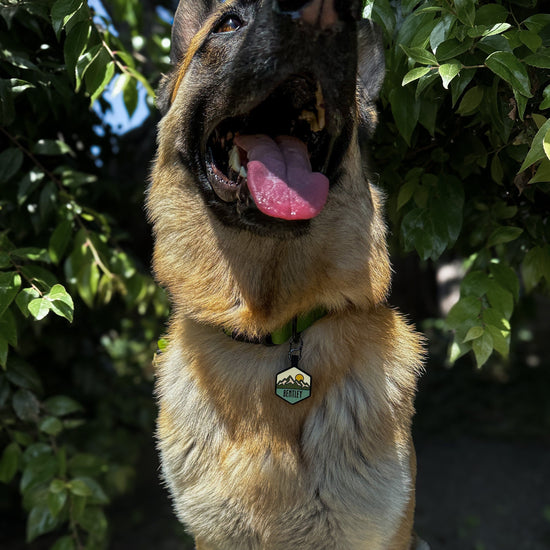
(290, 330)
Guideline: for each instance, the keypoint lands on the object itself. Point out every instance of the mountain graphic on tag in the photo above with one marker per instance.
(293, 385)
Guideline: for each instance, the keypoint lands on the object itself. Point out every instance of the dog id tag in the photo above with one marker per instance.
(293, 384)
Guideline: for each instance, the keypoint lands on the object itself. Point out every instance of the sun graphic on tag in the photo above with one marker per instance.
(293, 385)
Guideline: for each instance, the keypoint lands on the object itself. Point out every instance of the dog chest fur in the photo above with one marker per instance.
(248, 470)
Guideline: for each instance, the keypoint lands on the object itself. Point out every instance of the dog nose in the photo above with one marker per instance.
(320, 13)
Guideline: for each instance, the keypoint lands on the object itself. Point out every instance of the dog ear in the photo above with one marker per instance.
(189, 17)
(370, 76)
(371, 65)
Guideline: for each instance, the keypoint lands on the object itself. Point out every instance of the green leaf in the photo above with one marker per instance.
(483, 347)
(131, 96)
(11, 160)
(62, 12)
(441, 31)
(537, 22)
(23, 299)
(57, 501)
(488, 14)
(107, 77)
(4, 350)
(39, 308)
(38, 276)
(40, 470)
(79, 487)
(23, 375)
(504, 234)
(500, 299)
(10, 282)
(9, 463)
(8, 328)
(510, 69)
(405, 193)
(18, 86)
(59, 241)
(536, 152)
(475, 283)
(75, 45)
(51, 147)
(94, 521)
(84, 62)
(543, 172)
(61, 302)
(473, 333)
(61, 405)
(506, 278)
(405, 110)
(494, 43)
(448, 71)
(453, 48)
(31, 253)
(27, 185)
(546, 143)
(39, 522)
(466, 11)
(501, 340)
(415, 74)
(7, 108)
(26, 405)
(420, 55)
(57, 485)
(539, 60)
(64, 543)
(531, 39)
(459, 84)
(536, 266)
(497, 172)
(92, 490)
(466, 309)
(100, 67)
(51, 426)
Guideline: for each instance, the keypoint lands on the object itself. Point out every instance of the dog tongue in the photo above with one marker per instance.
(280, 179)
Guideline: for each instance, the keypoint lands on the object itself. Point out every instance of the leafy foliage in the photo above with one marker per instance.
(464, 149)
(79, 313)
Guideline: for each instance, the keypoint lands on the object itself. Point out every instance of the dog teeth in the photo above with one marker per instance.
(235, 159)
(242, 172)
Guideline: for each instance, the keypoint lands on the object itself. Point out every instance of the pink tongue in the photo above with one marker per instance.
(280, 179)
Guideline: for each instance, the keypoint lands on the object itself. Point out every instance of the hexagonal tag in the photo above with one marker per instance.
(293, 385)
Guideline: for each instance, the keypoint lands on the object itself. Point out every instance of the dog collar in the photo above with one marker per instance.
(283, 334)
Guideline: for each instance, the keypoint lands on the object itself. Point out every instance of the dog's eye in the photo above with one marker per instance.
(230, 24)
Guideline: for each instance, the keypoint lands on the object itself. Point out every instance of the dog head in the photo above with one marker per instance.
(266, 97)
(260, 196)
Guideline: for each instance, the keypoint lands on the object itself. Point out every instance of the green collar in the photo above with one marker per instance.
(284, 333)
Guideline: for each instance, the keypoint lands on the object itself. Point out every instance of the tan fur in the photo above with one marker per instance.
(248, 471)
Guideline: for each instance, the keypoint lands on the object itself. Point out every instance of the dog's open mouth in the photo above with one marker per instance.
(276, 154)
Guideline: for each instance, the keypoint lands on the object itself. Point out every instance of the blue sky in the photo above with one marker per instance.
(116, 116)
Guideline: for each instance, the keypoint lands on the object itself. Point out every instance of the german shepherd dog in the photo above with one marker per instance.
(286, 389)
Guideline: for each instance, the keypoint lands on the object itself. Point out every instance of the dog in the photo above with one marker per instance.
(286, 389)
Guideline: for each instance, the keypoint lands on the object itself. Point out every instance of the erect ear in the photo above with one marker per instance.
(189, 18)
(371, 65)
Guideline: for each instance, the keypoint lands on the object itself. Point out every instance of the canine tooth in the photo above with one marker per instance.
(311, 119)
(242, 172)
(235, 159)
